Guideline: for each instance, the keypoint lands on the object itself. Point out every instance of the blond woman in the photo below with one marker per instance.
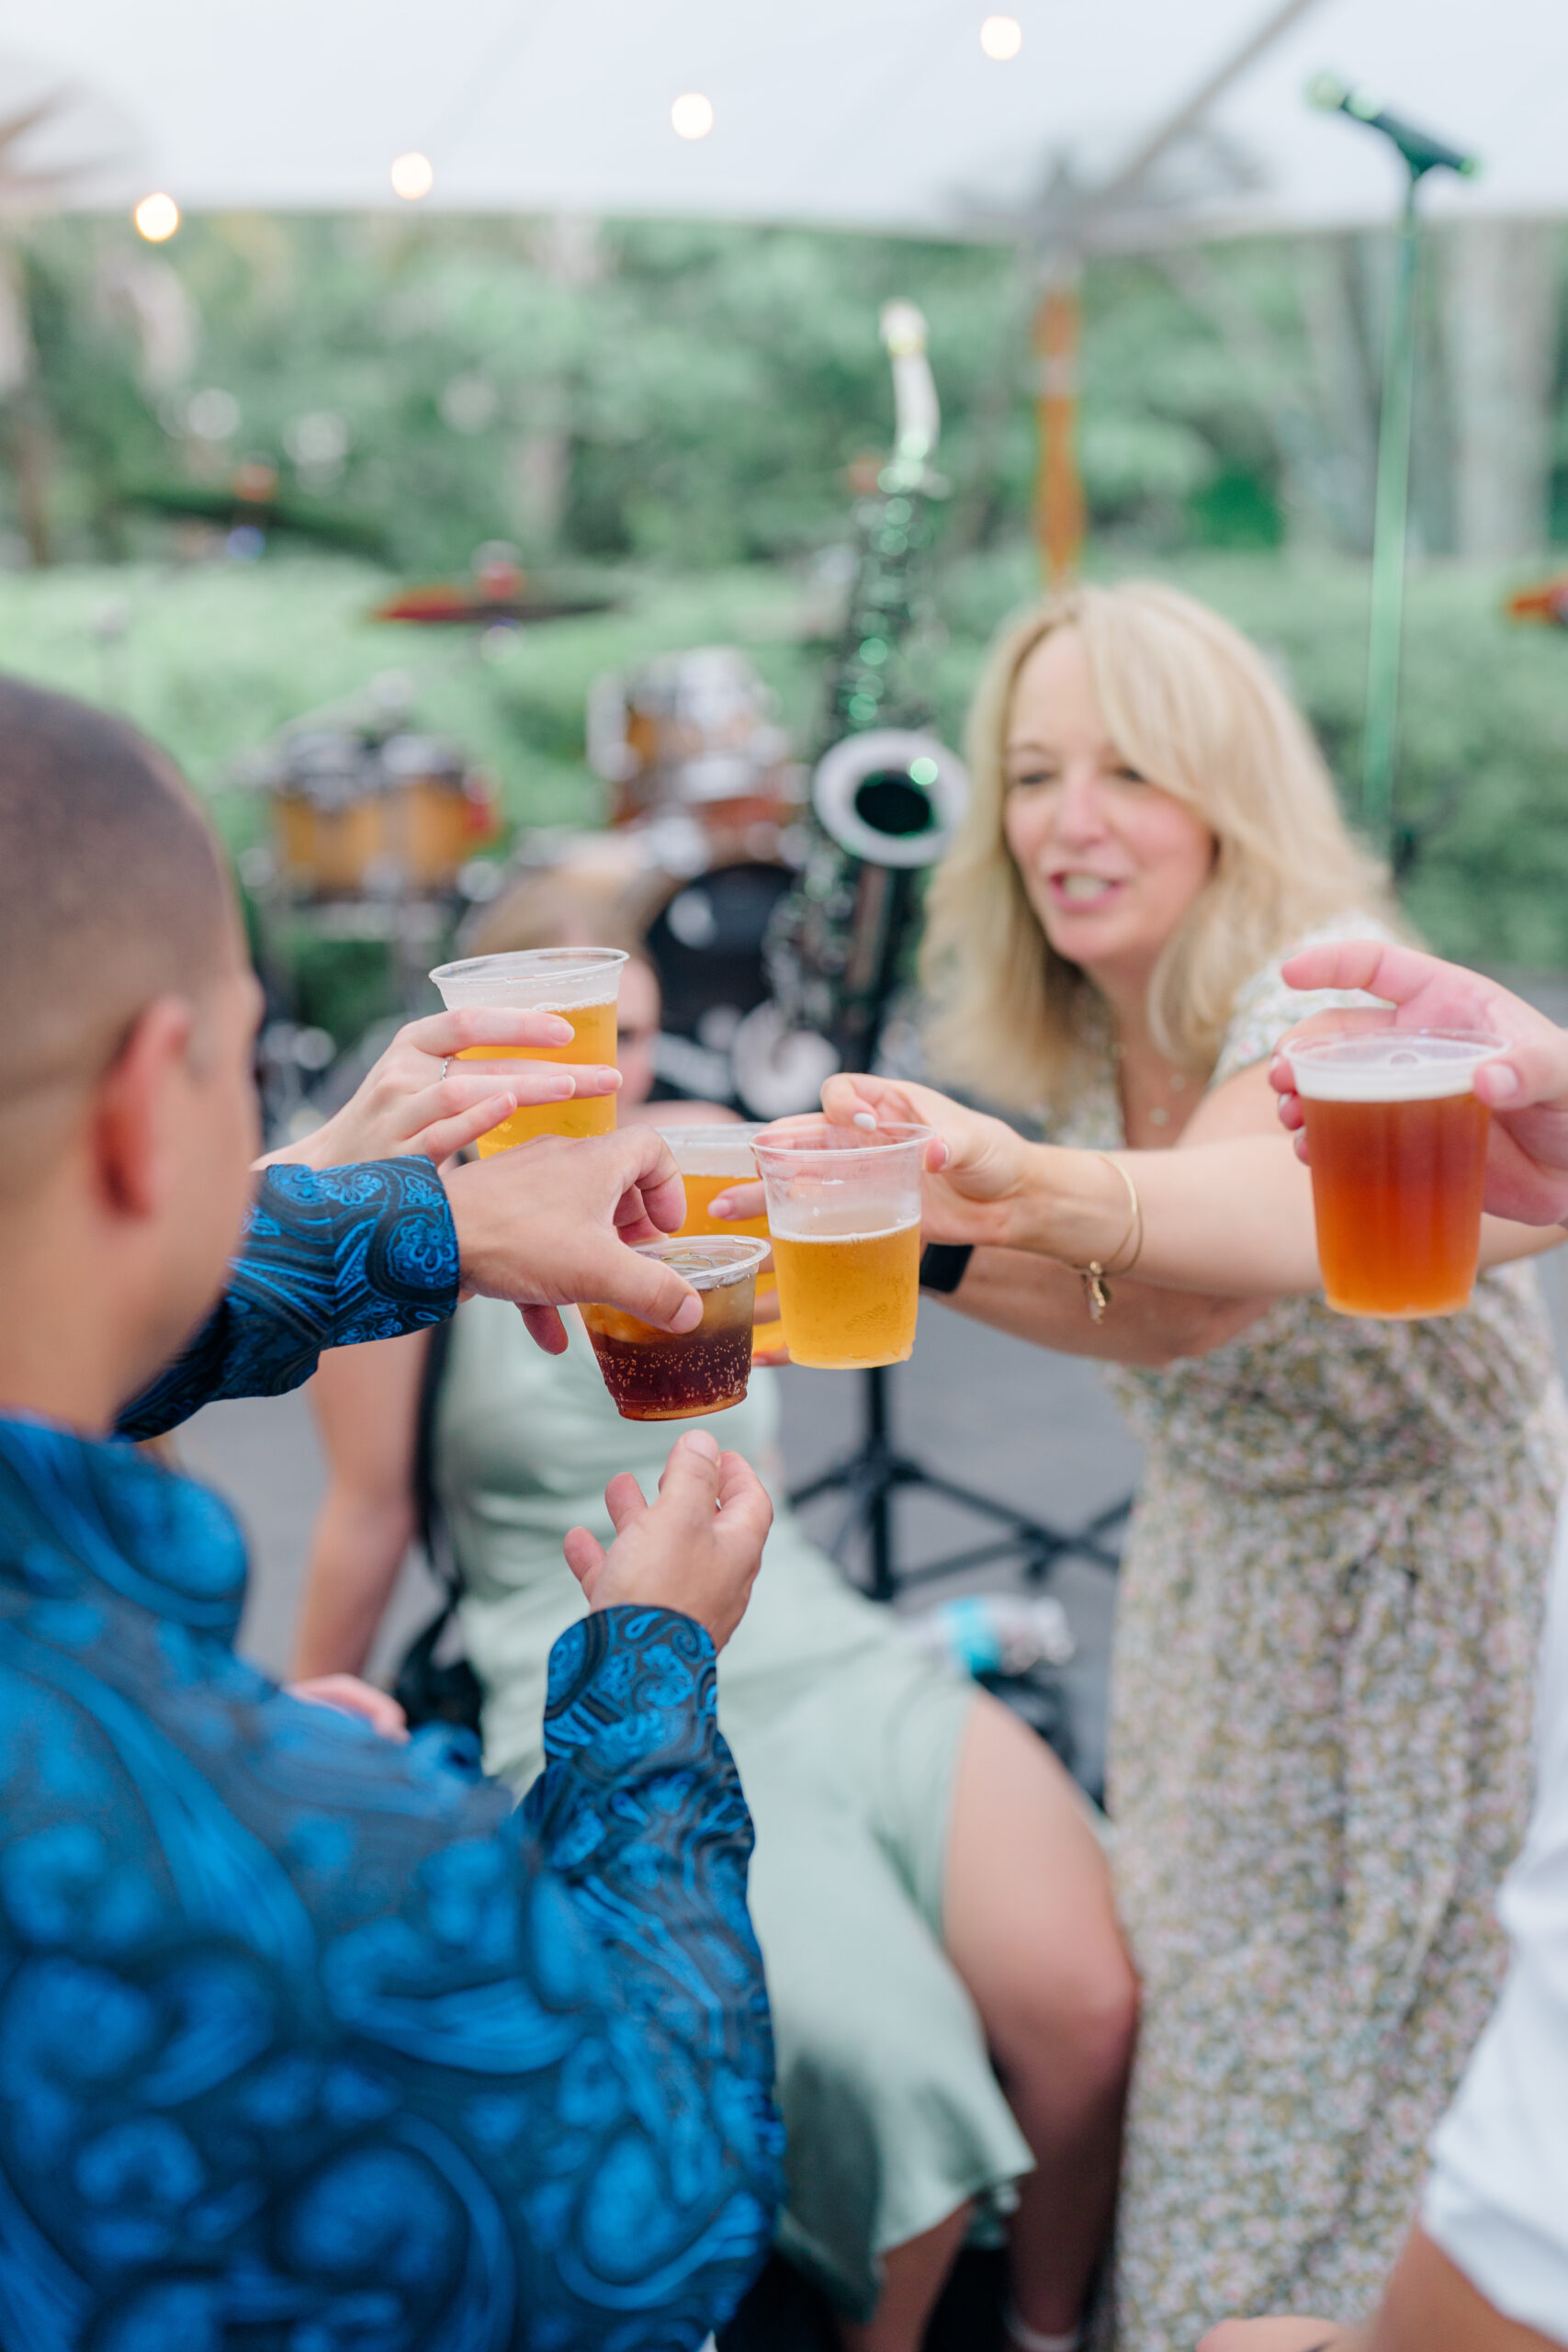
(1329, 1608)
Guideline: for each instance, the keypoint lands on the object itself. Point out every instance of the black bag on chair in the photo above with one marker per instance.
(431, 1690)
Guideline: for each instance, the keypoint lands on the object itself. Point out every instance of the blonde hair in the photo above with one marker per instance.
(1196, 710)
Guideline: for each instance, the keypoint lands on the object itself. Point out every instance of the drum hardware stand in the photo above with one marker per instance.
(876, 1471)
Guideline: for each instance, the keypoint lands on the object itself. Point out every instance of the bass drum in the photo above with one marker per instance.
(707, 946)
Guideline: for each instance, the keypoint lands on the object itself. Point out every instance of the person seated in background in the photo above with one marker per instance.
(1485, 2267)
(306, 2039)
(927, 1888)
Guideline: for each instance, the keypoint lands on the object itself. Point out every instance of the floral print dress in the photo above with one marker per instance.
(1320, 1765)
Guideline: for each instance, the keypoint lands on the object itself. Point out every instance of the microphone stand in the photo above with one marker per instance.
(1420, 153)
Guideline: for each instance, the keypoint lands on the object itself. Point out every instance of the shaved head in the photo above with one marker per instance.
(112, 893)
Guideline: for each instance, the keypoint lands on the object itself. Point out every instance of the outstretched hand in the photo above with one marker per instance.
(555, 1222)
(1526, 1087)
(351, 1696)
(696, 1549)
(411, 1101)
(976, 1166)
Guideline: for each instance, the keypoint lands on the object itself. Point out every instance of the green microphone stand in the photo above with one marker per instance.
(1420, 153)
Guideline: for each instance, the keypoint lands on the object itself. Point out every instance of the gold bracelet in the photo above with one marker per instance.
(1096, 1287)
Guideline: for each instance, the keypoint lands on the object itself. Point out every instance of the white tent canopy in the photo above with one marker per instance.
(875, 113)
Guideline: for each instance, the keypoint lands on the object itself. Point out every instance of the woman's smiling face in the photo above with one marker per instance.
(1110, 863)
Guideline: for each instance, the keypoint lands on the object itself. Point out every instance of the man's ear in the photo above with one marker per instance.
(137, 1127)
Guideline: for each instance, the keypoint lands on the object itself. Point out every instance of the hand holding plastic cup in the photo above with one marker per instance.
(581, 985)
(711, 1160)
(1396, 1140)
(657, 1375)
(844, 1214)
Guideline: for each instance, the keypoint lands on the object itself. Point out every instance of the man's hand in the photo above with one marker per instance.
(350, 1696)
(1526, 1087)
(697, 1549)
(552, 1223)
(1278, 2336)
(412, 1101)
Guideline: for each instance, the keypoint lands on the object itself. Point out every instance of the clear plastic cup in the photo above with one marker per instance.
(1397, 1143)
(579, 983)
(844, 1213)
(657, 1375)
(711, 1158)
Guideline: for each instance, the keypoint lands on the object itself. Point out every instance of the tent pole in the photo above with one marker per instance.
(1059, 517)
(1380, 743)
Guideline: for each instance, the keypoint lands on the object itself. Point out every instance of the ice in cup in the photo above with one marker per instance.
(1397, 1143)
(581, 985)
(844, 1214)
(657, 1375)
(711, 1158)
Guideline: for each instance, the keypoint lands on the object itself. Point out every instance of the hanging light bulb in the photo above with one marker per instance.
(156, 217)
(691, 115)
(1001, 37)
(413, 175)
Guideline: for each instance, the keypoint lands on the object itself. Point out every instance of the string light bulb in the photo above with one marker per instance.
(156, 217)
(1001, 37)
(691, 115)
(413, 176)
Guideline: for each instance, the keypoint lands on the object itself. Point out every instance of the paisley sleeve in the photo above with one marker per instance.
(330, 1257)
(640, 1816)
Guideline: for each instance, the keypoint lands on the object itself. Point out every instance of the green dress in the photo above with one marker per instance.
(847, 1740)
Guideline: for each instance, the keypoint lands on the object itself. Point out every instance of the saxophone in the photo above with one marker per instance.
(886, 796)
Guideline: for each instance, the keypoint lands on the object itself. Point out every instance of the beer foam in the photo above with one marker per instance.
(537, 980)
(1397, 1066)
(883, 1233)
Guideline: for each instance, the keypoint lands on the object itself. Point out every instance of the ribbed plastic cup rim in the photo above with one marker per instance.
(799, 1145)
(720, 1260)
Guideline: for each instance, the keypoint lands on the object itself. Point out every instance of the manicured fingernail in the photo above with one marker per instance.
(866, 1118)
(1502, 1082)
(689, 1314)
(701, 1443)
(561, 1032)
(609, 1080)
(721, 1206)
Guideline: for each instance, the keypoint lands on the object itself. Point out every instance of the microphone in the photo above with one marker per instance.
(1420, 151)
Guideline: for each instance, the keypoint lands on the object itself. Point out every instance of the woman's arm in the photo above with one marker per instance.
(1226, 1214)
(1045, 1304)
(367, 1406)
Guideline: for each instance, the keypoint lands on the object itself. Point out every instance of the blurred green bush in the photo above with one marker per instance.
(211, 659)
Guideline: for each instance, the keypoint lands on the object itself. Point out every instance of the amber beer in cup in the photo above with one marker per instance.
(844, 1214)
(1397, 1143)
(581, 985)
(656, 1375)
(711, 1158)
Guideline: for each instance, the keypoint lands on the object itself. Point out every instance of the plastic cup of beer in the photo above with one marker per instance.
(657, 1375)
(844, 1213)
(1397, 1143)
(711, 1158)
(581, 984)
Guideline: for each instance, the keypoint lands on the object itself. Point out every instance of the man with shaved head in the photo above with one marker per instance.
(306, 2040)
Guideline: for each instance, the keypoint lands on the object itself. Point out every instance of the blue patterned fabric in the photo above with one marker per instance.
(330, 1257)
(307, 2042)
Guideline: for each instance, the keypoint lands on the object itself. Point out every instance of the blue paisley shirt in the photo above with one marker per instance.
(313, 2044)
(330, 1257)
